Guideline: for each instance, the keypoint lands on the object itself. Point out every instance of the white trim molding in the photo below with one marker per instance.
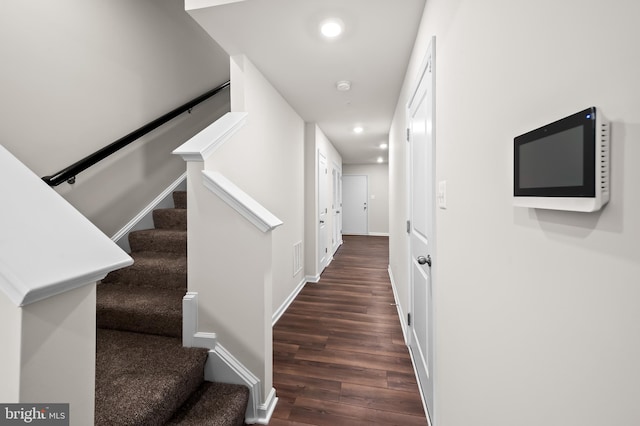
(313, 278)
(144, 219)
(201, 146)
(240, 201)
(401, 315)
(285, 305)
(202, 4)
(222, 366)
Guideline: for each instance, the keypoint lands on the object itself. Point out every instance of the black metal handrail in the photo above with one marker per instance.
(68, 174)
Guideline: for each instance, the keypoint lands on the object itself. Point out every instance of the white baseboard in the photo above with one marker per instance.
(313, 278)
(144, 219)
(282, 309)
(401, 314)
(378, 234)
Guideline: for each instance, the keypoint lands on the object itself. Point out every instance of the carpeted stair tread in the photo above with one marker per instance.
(170, 219)
(214, 404)
(159, 240)
(143, 379)
(180, 199)
(144, 376)
(140, 309)
(153, 269)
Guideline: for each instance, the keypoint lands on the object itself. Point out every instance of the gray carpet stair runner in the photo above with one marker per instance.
(143, 374)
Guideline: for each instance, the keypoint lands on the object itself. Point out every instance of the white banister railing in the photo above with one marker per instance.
(202, 145)
(240, 201)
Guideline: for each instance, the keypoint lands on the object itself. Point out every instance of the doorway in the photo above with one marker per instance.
(355, 194)
(323, 210)
(421, 167)
(337, 207)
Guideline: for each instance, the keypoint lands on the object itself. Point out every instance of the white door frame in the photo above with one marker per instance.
(337, 206)
(428, 63)
(322, 212)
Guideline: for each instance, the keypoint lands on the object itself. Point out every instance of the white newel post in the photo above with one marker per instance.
(229, 248)
(50, 260)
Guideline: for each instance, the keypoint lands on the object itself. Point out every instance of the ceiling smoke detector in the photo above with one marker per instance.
(343, 86)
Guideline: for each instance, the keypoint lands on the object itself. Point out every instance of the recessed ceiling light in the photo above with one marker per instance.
(380, 159)
(384, 146)
(343, 86)
(331, 28)
(358, 129)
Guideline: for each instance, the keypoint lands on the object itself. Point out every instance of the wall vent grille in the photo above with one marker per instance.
(297, 258)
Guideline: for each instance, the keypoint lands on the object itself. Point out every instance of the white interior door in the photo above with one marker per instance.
(421, 229)
(337, 208)
(323, 209)
(355, 195)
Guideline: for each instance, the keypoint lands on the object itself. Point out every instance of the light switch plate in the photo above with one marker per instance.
(442, 194)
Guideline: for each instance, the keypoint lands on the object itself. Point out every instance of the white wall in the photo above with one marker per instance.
(11, 320)
(267, 162)
(537, 315)
(77, 75)
(317, 142)
(378, 204)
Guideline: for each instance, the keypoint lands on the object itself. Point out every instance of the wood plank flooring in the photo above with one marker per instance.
(338, 352)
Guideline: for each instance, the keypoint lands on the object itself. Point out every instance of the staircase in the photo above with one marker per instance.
(143, 374)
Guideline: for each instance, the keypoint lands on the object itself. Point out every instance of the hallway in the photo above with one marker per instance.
(338, 351)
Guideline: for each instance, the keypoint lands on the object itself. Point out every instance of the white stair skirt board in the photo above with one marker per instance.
(222, 366)
(144, 219)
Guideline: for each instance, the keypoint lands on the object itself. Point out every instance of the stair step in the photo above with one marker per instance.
(214, 404)
(180, 199)
(150, 269)
(139, 309)
(143, 379)
(159, 240)
(170, 219)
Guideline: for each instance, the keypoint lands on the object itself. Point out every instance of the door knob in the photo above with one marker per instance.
(424, 260)
(322, 221)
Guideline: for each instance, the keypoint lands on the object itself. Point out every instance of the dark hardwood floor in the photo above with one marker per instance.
(338, 352)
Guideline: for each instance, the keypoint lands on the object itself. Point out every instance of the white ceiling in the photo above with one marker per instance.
(282, 38)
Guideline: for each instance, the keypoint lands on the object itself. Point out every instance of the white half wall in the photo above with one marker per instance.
(78, 75)
(265, 160)
(536, 312)
(378, 203)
